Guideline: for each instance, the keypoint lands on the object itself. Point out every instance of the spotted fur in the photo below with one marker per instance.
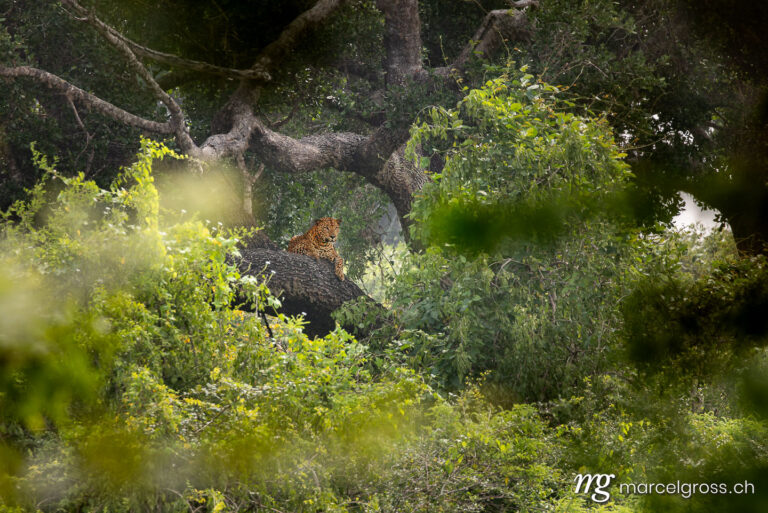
(318, 243)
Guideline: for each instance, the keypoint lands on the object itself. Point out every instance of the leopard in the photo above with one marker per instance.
(318, 242)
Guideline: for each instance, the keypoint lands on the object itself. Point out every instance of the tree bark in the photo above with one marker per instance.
(402, 40)
(304, 285)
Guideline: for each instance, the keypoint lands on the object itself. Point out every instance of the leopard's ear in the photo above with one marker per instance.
(338, 220)
(315, 222)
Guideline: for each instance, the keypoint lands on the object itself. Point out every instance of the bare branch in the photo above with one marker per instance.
(306, 21)
(497, 27)
(87, 99)
(257, 175)
(248, 181)
(522, 4)
(190, 64)
(77, 116)
(201, 67)
(88, 136)
(287, 118)
(176, 78)
(377, 157)
(177, 115)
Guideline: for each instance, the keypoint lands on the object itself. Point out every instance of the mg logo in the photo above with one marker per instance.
(602, 481)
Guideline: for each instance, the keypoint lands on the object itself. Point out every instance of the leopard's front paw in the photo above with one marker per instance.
(340, 269)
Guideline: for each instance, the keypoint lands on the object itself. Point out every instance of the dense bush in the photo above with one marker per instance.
(131, 380)
(521, 274)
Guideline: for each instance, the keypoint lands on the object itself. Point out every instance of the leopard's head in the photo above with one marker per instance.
(326, 229)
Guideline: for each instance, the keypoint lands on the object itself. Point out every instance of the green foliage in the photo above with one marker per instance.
(476, 459)
(512, 141)
(688, 324)
(45, 348)
(693, 327)
(53, 268)
(512, 283)
(604, 429)
(718, 450)
(695, 382)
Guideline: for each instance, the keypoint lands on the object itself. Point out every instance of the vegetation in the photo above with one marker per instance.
(518, 309)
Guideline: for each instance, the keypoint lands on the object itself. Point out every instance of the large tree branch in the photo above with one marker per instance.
(401, 180)
(87, 99)
(289, 155)
(304, 285)
(237, 115)
(373, 157)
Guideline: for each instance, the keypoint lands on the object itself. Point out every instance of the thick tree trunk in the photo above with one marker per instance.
(402, 39)
(751, 236)
(741, 194)
(744, 204)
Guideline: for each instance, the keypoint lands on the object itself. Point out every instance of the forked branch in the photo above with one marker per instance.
(177, 115)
